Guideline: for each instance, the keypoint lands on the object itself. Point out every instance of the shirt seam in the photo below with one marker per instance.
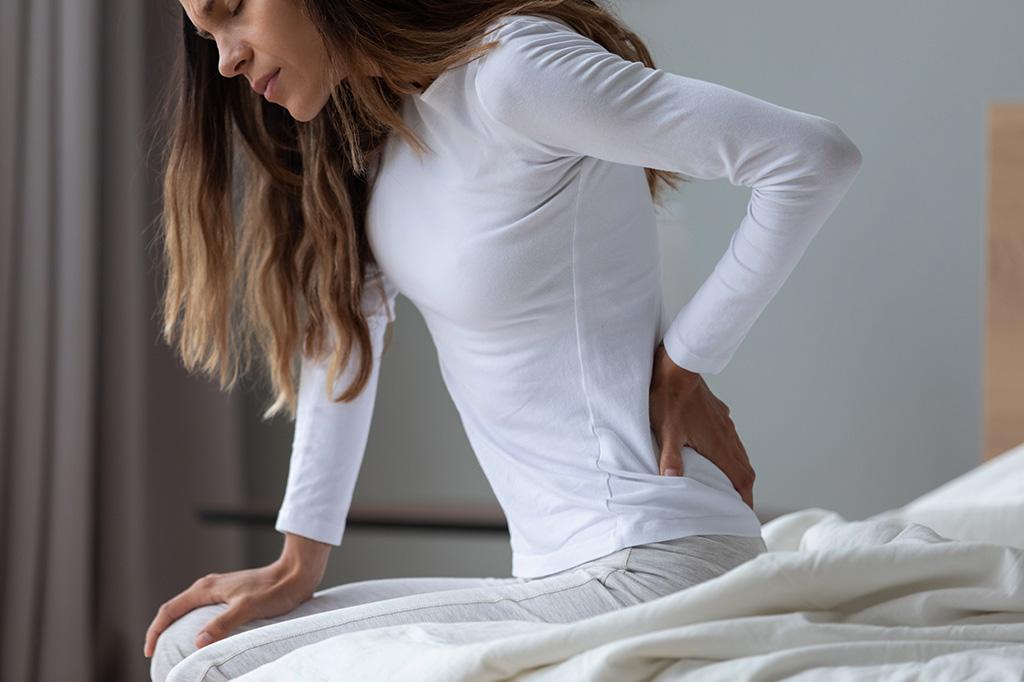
(579, 344)
(520, 138)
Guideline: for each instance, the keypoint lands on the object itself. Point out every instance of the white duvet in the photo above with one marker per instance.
(933, 590)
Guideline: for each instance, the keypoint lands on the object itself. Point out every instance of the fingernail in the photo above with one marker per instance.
(671, 472)
(203, 639)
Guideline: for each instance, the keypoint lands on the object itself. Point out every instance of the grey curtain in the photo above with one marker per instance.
(107, 446)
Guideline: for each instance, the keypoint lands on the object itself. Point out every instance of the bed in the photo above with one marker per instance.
(930, 590)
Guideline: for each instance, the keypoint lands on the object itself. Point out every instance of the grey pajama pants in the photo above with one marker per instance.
(629, 576)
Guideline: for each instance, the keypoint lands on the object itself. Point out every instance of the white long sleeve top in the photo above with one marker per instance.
(527, 240)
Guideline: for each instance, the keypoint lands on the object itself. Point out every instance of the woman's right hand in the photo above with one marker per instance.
(262, 592)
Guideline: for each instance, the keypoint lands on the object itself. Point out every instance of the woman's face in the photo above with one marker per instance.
(256, 38)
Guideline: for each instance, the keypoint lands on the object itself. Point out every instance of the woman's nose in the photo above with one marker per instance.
(231, 60)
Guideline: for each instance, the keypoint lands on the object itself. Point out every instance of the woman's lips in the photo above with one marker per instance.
(269, 92)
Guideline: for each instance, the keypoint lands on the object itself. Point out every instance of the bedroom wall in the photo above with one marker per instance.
(859, 387)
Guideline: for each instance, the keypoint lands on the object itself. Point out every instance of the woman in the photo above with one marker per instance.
(497, 163)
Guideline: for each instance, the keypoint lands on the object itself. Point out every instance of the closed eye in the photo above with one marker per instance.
(235, 12)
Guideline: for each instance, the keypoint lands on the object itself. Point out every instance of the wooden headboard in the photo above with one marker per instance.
(1003, 391)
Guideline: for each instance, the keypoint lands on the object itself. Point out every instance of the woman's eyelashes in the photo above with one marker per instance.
(234, 13)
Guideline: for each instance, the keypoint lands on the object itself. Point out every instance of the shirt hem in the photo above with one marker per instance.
(573, 555)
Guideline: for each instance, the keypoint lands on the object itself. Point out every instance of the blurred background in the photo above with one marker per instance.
(123, 478)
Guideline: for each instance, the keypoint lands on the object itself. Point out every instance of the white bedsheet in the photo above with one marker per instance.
(886, 598)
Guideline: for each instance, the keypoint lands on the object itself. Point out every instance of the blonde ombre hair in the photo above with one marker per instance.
(291, 275)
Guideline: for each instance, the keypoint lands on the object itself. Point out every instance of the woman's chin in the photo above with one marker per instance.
(301, 113)
(301, 117)
(306, 110)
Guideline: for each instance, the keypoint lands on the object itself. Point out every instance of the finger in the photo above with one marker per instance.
(671, 459)
(744, 482)
(747, 493)
(198, 594)
(223, 625)
(740, 472)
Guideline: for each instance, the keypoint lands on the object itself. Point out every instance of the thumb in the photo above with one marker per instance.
(671, 463)
(222, 626)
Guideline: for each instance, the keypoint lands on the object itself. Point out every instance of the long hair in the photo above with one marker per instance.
(291, 275)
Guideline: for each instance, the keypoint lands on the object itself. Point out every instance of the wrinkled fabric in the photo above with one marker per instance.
(880, 599)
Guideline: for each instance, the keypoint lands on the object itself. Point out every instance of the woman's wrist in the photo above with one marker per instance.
(303, 556)
(666, 370)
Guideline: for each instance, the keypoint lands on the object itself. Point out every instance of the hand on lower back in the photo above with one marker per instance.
(684, 411)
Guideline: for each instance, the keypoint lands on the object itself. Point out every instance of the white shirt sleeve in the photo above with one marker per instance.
(570, 96)
(330, 438)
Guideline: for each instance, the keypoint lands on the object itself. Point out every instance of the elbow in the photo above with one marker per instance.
(847, 154)
(838, 157)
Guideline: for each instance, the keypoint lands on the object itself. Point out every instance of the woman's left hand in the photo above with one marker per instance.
(684, 411)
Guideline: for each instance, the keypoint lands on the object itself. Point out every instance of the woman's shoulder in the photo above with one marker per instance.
(531, 56)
